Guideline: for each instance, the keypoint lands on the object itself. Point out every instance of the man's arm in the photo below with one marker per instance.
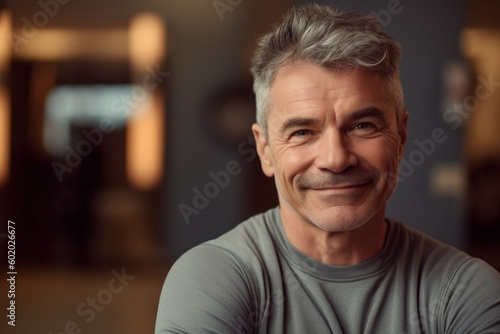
(206, 291)
(473, 303)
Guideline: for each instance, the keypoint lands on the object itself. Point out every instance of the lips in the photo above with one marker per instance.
(341, 187)
(330, 181)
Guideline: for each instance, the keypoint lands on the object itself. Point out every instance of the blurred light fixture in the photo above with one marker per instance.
(4, 135)
(5, 47)
(145, 129)
(64, 44)
(145, 145)
(146, 41)
(481, 46)
(5, 56)
(482, 50)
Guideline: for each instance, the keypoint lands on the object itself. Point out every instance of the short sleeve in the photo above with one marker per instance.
(208, 290)
(472, 303)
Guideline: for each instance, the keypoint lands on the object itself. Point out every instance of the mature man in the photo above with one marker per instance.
(331, 130)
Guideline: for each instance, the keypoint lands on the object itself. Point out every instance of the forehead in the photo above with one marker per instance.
(299, 85)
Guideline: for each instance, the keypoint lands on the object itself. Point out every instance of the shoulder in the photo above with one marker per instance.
(463, 291)
(248, 239)
(216, 282)
(233, 252)
(442, 269)
(471, 299)
(205, 291)
(253, 236)
(432, 255)
(237, 252)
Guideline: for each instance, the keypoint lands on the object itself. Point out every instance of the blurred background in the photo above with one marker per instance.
(125, 140)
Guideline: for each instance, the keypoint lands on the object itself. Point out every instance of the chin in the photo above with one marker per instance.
(339, 219)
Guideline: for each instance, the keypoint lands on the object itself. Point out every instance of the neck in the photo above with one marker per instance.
(336, 248)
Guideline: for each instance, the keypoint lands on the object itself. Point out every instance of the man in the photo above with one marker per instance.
(331, 130)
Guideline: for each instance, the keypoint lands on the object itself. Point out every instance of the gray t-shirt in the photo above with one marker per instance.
(252, 280)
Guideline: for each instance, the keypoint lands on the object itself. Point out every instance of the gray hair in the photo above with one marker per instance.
(337, 41)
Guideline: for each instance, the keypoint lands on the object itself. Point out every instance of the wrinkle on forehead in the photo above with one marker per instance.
(292, 78)
(304, 88)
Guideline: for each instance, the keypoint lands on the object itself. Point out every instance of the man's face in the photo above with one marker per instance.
(333, 145)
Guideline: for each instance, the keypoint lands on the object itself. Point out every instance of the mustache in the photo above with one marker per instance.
(330, 179)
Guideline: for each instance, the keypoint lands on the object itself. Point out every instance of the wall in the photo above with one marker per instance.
(210, 52)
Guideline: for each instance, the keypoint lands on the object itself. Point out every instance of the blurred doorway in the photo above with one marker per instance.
(87, 150)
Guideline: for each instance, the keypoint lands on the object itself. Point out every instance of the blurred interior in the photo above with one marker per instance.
(114, 114)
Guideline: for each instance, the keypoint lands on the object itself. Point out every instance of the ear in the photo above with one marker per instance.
(403, 133)
(263, 150)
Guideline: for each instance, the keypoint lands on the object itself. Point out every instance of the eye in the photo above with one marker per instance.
(301, 133)
(301, 136)
(364, 126)
(365, 129)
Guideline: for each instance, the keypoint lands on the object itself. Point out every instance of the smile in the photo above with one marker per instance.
(342, 188)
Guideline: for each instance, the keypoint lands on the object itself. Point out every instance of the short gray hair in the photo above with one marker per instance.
(338, 41)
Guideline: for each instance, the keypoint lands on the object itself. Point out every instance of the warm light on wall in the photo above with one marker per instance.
(145, 145)
(146, 40)
(481, 46)
(5, 56)
(4, 135)
(5, 47)
(482, 139)
(64, 44)
(145, 130)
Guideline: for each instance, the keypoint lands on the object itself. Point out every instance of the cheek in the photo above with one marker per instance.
(387, 161)
(391, 148)
(293, 162)
(381, 154)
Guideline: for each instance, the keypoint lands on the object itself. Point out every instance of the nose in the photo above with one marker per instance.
(335, 152)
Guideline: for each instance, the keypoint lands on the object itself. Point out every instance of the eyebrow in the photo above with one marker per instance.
(295, 122)
(368, 112)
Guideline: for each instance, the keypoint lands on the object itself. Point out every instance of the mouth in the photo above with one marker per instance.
(343, 185)
(342, 188)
